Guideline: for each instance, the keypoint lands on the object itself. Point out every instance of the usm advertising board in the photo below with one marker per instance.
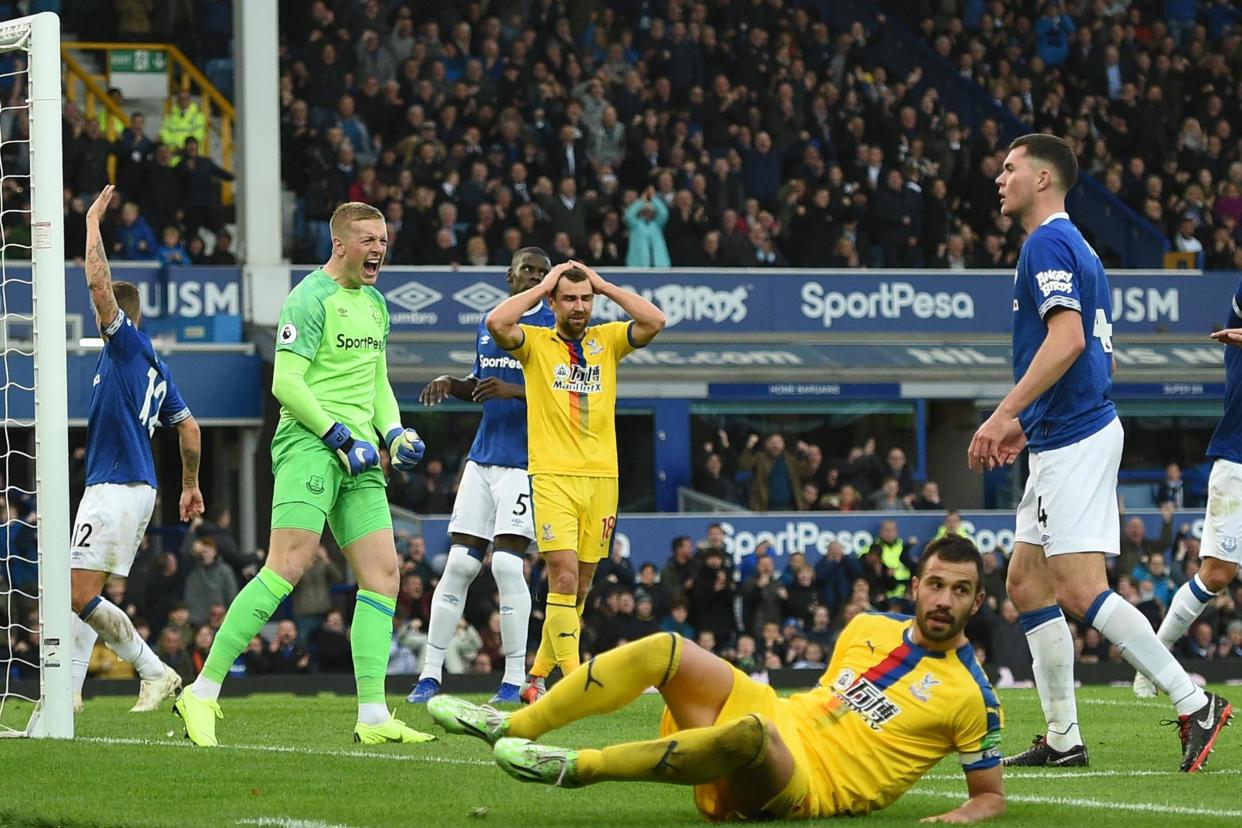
(756, 302)
(648, 538)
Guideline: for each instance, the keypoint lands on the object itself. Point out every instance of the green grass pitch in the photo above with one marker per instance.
(288, 761)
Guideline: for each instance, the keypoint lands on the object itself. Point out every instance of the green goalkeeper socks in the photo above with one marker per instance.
(250, 610)
(371, 637)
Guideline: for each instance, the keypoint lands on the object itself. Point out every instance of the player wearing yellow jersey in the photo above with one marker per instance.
(571, 400)
(900, 694)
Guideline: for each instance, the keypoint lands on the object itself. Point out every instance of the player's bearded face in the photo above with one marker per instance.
(572, 305)
(945, 597)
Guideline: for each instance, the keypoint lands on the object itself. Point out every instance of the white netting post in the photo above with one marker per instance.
(39, 38)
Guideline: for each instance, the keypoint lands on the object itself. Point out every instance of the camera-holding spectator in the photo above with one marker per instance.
(645, 218)
(711, 599)
(764, 597)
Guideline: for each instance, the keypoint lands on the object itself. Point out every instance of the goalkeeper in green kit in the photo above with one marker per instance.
(331, 379)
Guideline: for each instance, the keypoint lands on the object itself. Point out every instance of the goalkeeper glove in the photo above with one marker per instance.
(405, 447)
(356, 455)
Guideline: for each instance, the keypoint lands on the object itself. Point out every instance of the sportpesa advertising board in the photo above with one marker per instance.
(422, 301)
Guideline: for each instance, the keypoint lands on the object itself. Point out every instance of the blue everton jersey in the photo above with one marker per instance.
(1227, 440)
(501, 438)
(133, 390)
(1058, 269)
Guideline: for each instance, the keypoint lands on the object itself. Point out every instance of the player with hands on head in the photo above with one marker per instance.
(331, 378)
(571, 393)
(493, 504)
(132, 393)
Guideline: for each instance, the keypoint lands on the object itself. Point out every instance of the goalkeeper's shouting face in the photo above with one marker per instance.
(359, 243)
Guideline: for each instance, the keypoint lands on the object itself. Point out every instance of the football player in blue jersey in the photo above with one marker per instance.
(493, 504)
(1059, 408)
(1222, 525)
(132, 393)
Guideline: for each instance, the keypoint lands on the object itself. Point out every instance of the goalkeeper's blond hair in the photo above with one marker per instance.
(345, 215)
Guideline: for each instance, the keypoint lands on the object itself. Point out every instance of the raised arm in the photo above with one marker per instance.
(98, 275)
(648, 319)
(987, 798)
(191, 440)
(444, 386)
(503, 323)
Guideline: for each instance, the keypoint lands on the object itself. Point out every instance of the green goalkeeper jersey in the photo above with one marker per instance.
(344, 334)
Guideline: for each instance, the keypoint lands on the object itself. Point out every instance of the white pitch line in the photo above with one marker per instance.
(289, 822)
(1099, 804)
(1017, 775)
(345, 754)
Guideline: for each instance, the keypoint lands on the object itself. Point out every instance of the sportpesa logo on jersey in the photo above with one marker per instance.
(500, 362)
(579, 379)
(349, 343)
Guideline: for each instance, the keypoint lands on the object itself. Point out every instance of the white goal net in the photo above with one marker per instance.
(35, 694)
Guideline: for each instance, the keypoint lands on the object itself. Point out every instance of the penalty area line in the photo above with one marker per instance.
(344, 754)
(1098, 804)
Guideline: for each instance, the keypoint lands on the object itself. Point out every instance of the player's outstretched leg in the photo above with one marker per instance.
(688, 757)
(198, 704)
(159, 681)
(447, 604)
(510, 575)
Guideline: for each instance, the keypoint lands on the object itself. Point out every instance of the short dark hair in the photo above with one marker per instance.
(127, 299)
(954, 549)
(573, 275)
(1055, 151)
(679, 540)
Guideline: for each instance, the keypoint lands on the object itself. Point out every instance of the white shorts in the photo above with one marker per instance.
(112, 519)
(1070, 503)
(491, 501)
(1222, 525)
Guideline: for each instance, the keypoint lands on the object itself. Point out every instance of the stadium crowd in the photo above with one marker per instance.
(745, 134)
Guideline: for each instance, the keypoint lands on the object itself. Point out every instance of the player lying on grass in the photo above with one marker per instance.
(900, 694)
(331, 377)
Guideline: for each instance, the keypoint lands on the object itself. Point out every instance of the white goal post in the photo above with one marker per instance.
(37, 40)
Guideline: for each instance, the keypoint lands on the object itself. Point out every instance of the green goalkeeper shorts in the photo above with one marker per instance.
(312, 484)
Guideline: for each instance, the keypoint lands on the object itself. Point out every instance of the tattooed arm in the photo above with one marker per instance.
(191, 452)
(98, 276)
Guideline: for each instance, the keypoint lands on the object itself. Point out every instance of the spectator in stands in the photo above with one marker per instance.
(615, 572)
(331, 645)
(677, 619)
(896, 555)
(711, 599)
(86, 159)
(209, 582)
(1008, 646)
(1172, 489)
(133, 238)
(162, 196)
(285, 653)
(183, 120)
(677, 576)
(132, 150)
(1231, 646)
(1154, 570)
(203, 637)
(803, 594)
(414, 599)
(171, 251)
(172, 652)
(200, 179)
(312, 596)
(222, 253)
(1136, 546)
(835, 574)
(776, 474)
(764, 597)
(928, 499)
(952, 525)
(164, 590)
(887, 498)
(1199, 644)
(432, 493)
(645, 218)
